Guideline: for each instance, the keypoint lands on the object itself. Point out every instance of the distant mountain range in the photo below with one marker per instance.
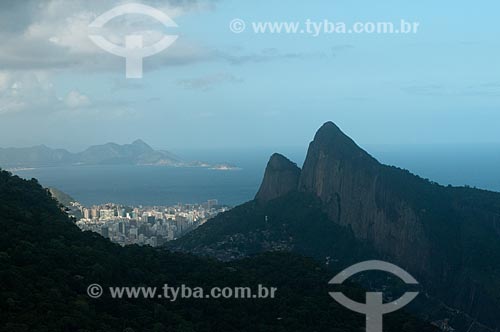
(136, 153)
(344, 206)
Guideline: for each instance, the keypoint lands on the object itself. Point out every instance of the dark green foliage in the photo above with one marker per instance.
(63, 198)
(462, 224)
(46, 264)
(292, 222)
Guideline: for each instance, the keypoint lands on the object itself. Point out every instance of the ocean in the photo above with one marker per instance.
(473, 165)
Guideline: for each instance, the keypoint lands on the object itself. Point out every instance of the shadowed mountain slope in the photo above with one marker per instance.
(345, 200)
(47, 263)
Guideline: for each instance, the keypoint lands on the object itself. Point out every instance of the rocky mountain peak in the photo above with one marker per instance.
(355, 190)
(436, 233)
(329, 139)
(331, 155)
(327, 129)
(281, 177)
(140, 143)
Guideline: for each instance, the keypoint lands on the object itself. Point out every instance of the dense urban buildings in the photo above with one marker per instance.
(144, 225)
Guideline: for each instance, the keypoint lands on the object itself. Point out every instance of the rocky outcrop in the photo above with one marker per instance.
(447, 237)
(415, 223)
(348, 181)
(281, 177)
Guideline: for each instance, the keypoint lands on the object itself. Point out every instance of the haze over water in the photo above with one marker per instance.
(473, 165)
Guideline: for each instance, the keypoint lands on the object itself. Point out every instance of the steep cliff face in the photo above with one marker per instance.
(280, 178)
(437, 233)
(348, 181)
(447, 237)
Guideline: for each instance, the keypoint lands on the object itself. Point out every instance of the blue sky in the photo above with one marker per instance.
(215, 89)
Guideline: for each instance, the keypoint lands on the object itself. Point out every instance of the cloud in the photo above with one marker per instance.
(209, 81)
(23, 91)
(75, 99)
(34, 92)
(16, 15)
(53, 34)
(42, 38)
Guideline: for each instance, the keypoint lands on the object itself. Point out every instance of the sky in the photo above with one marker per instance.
(214, 88)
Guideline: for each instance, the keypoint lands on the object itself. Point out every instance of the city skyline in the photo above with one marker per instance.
(143, 225)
